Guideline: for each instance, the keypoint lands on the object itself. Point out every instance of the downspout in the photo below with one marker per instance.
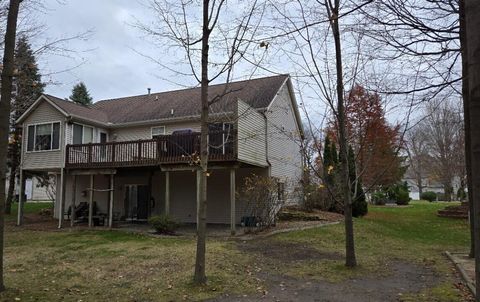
(263, 113)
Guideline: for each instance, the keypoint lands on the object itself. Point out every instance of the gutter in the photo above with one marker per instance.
(110, 125)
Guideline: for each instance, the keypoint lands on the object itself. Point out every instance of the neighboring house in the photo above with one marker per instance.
(33, 190)
(430, 185)
(139, 153)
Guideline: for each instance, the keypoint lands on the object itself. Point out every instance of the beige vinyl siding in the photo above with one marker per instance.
(284, 153)
(43, 160)
(145, 132)
(251, 135)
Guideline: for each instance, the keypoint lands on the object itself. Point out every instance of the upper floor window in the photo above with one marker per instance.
(82, 134)
(42, 137)
(158, 131)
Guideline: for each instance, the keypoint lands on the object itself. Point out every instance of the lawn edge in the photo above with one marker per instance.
(466, 278)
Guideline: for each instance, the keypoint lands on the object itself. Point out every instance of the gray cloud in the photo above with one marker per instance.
(112, 67)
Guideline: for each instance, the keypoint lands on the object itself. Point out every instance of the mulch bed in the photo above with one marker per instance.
(34, 222)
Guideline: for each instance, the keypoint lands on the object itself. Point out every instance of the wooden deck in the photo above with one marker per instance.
(167, 149)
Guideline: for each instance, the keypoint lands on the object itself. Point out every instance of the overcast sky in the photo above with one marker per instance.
(109, 63)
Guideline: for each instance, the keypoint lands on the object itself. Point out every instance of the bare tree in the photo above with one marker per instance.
(311, 29)
(5, 97)
(416, 146)
(443, 127)
(333, 15)
(429, 35)
(213, 42)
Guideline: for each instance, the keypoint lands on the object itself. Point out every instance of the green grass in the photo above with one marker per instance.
(30, 207)
(413, 234)
(118, 266)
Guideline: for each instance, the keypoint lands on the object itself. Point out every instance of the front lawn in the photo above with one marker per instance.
(112, 265)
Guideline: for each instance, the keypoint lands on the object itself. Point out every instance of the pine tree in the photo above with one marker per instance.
(334, 153)
(329, 164)
(28, 87)
(80, 94)
(359, 201)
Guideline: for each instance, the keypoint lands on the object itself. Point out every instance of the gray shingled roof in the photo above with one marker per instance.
(258, 93)
(82, 111)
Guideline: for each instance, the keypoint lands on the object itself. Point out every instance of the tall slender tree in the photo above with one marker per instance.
(213, 41)
(80, 94)
(332, 8)
(5, 97)
(28, 87)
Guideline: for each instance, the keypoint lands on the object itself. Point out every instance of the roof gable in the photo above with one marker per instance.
(42, 98)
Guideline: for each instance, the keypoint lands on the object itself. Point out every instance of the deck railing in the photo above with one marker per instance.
(180, 148)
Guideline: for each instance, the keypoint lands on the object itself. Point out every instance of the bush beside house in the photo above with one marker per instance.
(163, 224)
(429, 196)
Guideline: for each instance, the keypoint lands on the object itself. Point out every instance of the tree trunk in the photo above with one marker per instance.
(11, 189)
(5, 97)
(14, 163)
(420, 187)
(350, 260)
(472, 17)
(200, 276)
(466, 116)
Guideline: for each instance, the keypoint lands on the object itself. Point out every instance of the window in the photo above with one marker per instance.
(158, 131)
(82, 134)
(43, 137)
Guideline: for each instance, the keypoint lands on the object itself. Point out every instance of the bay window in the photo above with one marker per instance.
(43, 137)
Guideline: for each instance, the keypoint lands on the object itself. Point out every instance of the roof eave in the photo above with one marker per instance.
(167, 120)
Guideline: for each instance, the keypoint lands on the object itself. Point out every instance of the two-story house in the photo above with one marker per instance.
(133, 157)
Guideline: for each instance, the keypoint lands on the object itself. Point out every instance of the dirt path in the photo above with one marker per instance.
(402, 278)
(405, 278)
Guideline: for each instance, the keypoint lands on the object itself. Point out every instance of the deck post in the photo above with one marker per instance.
(232, 202)
(90, 204)
(74, 197)
(110, 208)
(21, 198)
(61, 209)
(167, 192)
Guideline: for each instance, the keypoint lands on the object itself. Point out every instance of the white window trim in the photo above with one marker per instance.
(83, 132)
(164, 130)
(35, 137)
